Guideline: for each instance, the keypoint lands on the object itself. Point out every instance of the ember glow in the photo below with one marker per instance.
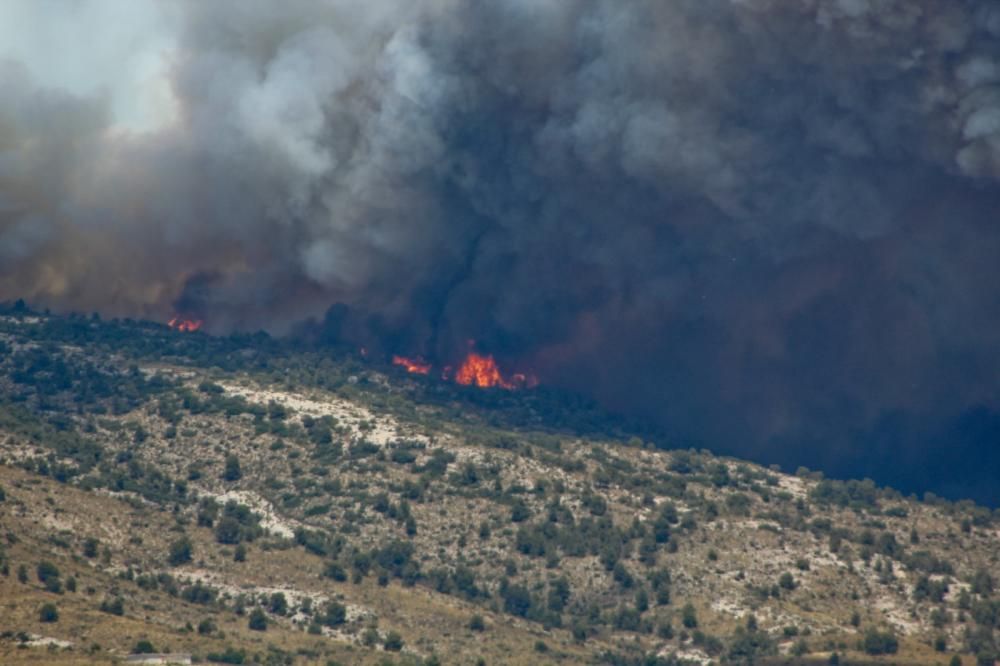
(417, 365)
(480, 370)
(184, 325)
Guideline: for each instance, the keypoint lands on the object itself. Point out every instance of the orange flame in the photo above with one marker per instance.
(184, 325)
(417, 366)
(481, 371)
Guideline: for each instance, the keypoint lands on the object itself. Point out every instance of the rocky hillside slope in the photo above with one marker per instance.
(245, 502)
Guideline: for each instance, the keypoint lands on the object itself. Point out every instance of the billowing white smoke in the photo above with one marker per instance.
(312, 149)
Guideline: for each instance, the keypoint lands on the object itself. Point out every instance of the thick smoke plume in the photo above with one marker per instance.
(770, 226)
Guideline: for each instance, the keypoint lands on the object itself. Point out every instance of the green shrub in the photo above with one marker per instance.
(369, 637)
(689, 617)
(143, 647)
(877, 642)
(180, 552)
(335, 571)
(227, 531)
(198, 594)
(787, 581)
(232, 471)
(627, 619)
(258, 620)
(48, 613)
(402, 456)
(230, 656)
(334, 614)
(113, 606)
(393, 642)
(278, 604)
(46, 571)
(519, 512)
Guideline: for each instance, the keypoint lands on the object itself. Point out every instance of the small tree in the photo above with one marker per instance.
(206, 627)
(877, 642)
(787, 581)
(642, 601)
(393, 642)
(335, 571)
(228, 531)
(476, 623)
(278, 604)
(180, 552)
(240, 555)
(48, 613)
(143, 647)
(90, 545)
(114, 606)
(258, 621)
(334, 614)
(48, 575)
(519, 512)
(982, 583)
(46, 571)
(689, 617)
(516, 599)
(232, 471)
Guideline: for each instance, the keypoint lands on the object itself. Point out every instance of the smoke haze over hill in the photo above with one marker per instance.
(769, 227)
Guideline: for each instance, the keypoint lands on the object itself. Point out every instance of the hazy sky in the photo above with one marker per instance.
(118, 50)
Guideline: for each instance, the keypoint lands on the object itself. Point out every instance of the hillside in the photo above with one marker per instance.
(246, 501)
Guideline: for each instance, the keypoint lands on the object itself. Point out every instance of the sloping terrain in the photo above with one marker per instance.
(240, 500)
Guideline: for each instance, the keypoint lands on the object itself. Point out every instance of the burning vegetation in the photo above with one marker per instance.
(482, 371)
(479, 370)
(185, 325)
(417, 366)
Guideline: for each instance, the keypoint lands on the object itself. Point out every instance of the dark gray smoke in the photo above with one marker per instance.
(770, 226)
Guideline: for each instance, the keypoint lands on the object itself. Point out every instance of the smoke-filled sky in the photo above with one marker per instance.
(771, 227)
